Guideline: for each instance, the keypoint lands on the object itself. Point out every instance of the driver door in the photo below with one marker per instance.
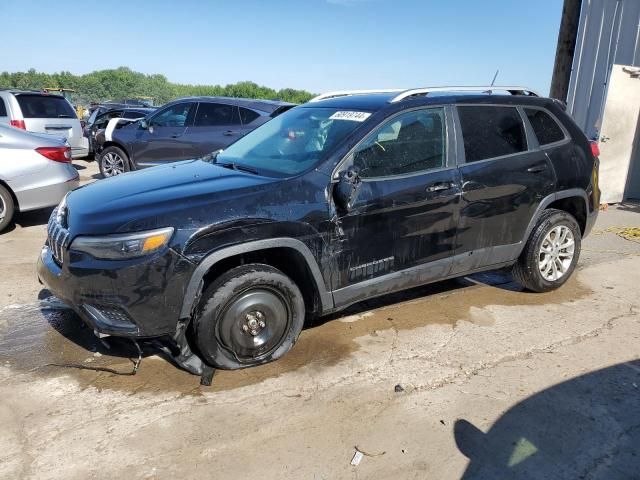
(163, 140)
(400, 230)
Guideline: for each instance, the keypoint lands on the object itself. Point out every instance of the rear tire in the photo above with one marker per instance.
(250, 315)
(551, 252)
(7, 208)
(113, 161)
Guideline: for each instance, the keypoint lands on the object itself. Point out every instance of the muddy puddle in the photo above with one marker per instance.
(34, 336)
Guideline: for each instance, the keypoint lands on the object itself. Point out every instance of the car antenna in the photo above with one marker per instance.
(494, 77)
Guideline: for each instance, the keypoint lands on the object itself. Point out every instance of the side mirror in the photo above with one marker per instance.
(346, 190)
(143, 124)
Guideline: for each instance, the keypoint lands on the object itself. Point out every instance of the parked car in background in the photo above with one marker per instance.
(342, 199)
(42, 112)
(183, 129)
(35, 172)
(99, 122)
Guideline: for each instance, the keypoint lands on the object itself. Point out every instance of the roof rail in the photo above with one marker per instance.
(481, 89)
(346, 93)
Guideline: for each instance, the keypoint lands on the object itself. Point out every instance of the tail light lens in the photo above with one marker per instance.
(595, 149)
(57, 154)
(18, 124)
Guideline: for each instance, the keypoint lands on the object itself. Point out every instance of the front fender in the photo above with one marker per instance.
(195, 284)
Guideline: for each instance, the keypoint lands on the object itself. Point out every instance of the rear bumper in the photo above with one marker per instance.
(80, 152)
(136, 298)
(591, 221)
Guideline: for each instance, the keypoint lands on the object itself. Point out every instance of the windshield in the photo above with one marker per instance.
(292, 142)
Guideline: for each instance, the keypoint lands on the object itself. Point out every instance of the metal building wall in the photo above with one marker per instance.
(608, 33)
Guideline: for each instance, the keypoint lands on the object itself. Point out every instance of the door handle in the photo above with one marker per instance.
(537, 168)
(439, 187)
(176, 135)
(229, 133)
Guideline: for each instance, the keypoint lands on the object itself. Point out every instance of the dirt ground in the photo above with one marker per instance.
(470, 378)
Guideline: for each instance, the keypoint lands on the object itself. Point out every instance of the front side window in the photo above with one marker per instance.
(103, 120)
(546, 128)
(174, 116)
(409, 143)
(216, 115)
(491, 131)
(294, 141)
(133, 114)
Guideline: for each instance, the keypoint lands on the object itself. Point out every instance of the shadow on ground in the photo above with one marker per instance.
(585, 428)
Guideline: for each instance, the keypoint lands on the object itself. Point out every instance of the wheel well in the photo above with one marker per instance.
(13, 195)
(575, 206)
(288, 260)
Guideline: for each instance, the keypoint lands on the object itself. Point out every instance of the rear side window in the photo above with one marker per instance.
(44, 106)
(3, 108)
(490, 132)
(247, 116)
(411, 142)
(545, 127)
(216, 114)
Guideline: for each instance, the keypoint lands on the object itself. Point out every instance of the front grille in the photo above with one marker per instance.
(58, 238)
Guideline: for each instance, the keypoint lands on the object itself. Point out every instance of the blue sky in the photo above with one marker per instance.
(317, 45)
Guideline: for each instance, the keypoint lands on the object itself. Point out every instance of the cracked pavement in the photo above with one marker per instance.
(496, 383)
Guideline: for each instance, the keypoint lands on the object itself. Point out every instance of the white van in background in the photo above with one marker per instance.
(42, 112)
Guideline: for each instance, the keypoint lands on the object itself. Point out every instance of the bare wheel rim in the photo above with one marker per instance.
(254, 323)
(556, 253)
(3, 209)
(112, 164)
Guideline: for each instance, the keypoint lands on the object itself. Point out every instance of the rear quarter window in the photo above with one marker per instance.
(3, 108)
(491, 131)
(544, 126)
(44, 106)
(247, 116)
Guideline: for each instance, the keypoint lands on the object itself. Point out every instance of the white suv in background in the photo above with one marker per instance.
(41, 112)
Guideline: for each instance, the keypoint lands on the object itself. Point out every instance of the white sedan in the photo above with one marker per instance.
(35, 172)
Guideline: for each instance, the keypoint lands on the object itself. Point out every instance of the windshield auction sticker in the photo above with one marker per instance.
(352, 116)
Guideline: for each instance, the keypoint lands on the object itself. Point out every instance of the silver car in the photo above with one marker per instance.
(35, 172)
(42, 112)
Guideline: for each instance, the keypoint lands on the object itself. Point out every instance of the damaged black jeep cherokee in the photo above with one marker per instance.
(350, 196)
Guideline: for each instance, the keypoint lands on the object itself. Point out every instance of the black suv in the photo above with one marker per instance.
(183, 129)
(333, 202)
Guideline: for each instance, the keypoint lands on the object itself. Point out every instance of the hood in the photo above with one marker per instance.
(157, 196)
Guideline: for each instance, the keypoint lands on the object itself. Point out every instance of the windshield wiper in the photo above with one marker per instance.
(236, 166)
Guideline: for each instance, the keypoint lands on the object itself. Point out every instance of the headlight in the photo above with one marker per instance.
(120, 247)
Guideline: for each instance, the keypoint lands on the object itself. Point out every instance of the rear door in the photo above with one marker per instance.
(504, 177)
(164, 139)
(51, 114)
(216, 126)
(405, 214)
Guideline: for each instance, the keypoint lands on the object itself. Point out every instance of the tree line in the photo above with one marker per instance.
(120, 83)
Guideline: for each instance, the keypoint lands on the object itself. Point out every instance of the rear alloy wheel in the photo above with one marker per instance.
(551, 252)
(250, 315)
(7, 208)
(113, 161)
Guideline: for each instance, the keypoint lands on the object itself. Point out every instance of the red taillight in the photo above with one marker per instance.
(18, 124)
(57, 154)
(595, 149)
